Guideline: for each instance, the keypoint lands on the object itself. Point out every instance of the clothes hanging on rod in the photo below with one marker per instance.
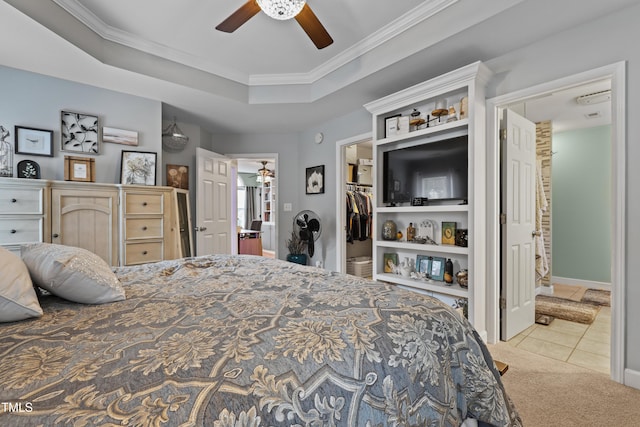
(359, 215)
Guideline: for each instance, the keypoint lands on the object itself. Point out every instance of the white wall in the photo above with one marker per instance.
(34, 100)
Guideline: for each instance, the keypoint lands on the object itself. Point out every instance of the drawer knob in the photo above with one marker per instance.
(144, 203)
(13, 200)
(145, 252)
(144, 228)
(14, 231)
(56, 235)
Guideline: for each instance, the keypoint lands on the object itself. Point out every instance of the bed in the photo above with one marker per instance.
(248, 341)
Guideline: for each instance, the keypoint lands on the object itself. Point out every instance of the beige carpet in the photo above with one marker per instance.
(550, 393)
(561, 308)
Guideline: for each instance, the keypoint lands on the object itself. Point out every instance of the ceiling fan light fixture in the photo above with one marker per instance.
(281, 9)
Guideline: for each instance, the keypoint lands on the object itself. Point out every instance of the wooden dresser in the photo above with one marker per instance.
(148, 224)
(123, 224)
(24, 214)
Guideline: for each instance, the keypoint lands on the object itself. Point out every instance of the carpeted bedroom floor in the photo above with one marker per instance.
(550, 393)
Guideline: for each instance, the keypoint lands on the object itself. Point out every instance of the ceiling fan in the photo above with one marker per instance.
(282, 10)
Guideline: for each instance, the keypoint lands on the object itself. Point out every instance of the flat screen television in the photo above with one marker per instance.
(437, 171)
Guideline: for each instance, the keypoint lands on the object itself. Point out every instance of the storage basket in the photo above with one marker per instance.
(361, 266)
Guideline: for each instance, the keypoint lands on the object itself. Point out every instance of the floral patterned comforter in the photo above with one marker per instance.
(246, 341)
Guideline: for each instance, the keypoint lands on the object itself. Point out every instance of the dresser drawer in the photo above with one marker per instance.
(140, 253)
(20, 200)
(143, 203)
(15, 231)
(143, 228)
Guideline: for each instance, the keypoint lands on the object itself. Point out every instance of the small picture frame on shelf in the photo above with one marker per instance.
(34, 142)
(391, 125)
(81, 169)
(390, 262)
(436, 269)
(448, 233)
(28, 169)
(462, 237)
(423, 264)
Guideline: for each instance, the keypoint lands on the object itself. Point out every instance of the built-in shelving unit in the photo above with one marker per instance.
(462, 88)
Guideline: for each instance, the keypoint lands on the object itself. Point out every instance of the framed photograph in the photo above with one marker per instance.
(79, 132)
(448, 233)
(138, 168)
(390, 262)
(391, 125)
(178, 176)
(423, 264)
(34, 142)
(119, 136)
(79, 169)
(436, 270)
(315, 180)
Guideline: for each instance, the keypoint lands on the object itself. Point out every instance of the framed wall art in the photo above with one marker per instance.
(178, 176)
(138, 167)
(315, 180)
(34, 142)
(28, 169)
(6, 153)
(119, 136)
(79, 169)
(79, 133)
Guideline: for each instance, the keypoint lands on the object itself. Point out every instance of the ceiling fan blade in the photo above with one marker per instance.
(239, 17)
(314, 29)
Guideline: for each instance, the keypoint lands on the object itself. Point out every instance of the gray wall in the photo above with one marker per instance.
(33, 100)
(581, 216)
(288, 179)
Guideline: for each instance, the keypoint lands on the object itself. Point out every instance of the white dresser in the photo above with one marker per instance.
(24, 216)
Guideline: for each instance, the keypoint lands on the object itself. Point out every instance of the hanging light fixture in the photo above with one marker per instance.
(281, 9)
(264, 174)
(173, 139)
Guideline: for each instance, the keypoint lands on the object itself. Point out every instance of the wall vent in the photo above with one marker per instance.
(593, 115)
(594, 98)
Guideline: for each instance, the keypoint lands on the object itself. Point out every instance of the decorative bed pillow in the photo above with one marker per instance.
(18, 299)
(72, 273)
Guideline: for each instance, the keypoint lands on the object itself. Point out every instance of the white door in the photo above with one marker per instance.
(518, 238)
(213, 206)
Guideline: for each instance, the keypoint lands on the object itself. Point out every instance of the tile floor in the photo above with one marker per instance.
(576, 343)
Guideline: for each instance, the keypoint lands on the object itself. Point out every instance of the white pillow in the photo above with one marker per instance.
(18, 299)
(72, 273)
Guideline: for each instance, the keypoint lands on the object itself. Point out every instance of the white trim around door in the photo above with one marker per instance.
(616, 73)
(341, 209)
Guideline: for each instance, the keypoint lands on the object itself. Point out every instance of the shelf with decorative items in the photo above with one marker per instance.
(429, 145)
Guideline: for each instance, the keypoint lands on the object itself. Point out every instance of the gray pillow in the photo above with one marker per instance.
(18, 299)
(72, 273)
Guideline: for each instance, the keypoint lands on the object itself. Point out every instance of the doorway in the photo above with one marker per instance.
(345, 182)
(256, 190)
(616, 74)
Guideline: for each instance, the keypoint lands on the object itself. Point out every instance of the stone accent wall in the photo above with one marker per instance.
(544, 153)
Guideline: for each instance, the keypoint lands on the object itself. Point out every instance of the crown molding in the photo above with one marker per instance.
(107, 32)
(398, 26)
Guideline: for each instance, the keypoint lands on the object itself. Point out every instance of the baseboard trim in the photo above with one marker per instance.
(579, 282)
(632, 378)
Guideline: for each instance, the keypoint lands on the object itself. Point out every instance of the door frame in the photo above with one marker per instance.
(341, 188)
(616, 73)
(234, 188)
